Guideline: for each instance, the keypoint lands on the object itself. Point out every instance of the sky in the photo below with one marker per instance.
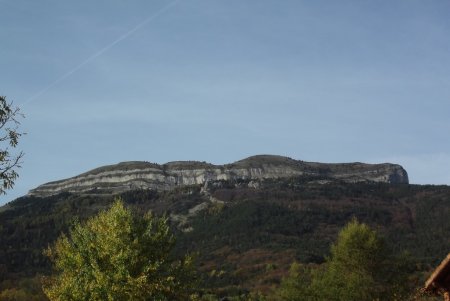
(106, 81)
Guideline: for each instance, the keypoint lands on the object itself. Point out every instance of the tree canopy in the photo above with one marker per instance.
(9, 139)
(118, 256)
(360, 268)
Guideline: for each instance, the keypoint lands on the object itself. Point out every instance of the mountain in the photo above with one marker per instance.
(246, 221)
(128, 176)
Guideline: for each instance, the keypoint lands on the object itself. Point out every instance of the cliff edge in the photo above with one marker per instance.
(132, 175)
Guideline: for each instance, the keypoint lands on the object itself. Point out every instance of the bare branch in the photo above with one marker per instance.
(9, 138)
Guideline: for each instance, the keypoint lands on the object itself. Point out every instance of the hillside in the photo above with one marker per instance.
(245, 232)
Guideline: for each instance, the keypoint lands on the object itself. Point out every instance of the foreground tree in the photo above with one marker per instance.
(9, 138)
(297, 286)
(118, 256)
(360, 268)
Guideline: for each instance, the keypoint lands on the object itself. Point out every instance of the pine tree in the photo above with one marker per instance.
(360, 268)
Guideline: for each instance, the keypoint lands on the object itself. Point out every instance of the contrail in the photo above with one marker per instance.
(101, 51)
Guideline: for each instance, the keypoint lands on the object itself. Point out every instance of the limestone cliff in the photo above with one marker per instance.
(144, 175)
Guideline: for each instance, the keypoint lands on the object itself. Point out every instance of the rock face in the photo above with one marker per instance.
(144, 175)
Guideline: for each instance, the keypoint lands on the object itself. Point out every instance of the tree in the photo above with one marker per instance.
(360, 268)
(9, 138)
(118, 256)
(297, 286)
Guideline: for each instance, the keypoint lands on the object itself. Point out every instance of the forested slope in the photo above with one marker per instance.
(245, 234)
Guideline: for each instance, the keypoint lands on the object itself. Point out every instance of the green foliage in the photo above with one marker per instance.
(14, 294)
(254, 224)
(30, 290)
(9, 138)
(285, 220)
(297, 286)
(360, 268)
(118, 256)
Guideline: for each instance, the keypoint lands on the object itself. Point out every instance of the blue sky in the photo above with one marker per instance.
(106, 81)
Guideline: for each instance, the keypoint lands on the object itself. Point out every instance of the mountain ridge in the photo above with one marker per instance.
(127, 176)
(246, 232)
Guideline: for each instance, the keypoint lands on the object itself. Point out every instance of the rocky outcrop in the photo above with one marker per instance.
(144, 175)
